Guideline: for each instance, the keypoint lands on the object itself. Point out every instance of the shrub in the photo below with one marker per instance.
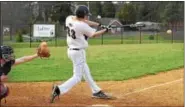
(24, 31)
(19, 37)
(151, 37)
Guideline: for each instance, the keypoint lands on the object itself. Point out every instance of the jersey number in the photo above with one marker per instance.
(71, 33)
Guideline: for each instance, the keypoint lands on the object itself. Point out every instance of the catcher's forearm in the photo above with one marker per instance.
(91, 23)
(25, 59)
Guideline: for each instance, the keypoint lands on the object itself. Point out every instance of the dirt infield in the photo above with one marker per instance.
(163, 89)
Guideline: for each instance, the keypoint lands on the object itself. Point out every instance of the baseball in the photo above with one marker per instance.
(169, 31)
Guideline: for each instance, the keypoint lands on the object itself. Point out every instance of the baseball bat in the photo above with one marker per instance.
(128, 25)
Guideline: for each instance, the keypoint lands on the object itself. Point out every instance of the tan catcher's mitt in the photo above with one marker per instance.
(43, 50)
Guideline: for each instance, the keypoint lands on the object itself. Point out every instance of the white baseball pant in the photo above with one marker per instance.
(80, 68)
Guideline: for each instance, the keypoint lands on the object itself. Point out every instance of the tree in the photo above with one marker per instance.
(95, 8)
(144, 11)
(173, 12)
(149, 11)
(81, 3)
(60, 11)
(127, 13)
(108, 9)
(181, 10)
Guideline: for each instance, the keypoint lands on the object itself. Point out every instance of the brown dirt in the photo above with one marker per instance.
(153, 90)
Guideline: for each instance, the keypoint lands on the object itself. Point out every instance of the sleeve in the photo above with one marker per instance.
(87, 30)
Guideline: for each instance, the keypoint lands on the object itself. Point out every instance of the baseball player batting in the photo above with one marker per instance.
(7, 60)
(78, 30)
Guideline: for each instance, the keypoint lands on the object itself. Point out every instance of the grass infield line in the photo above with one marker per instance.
(154, 86)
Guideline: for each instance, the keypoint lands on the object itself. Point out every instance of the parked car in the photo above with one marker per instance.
(149, 26)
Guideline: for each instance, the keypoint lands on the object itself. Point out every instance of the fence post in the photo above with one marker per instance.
(56, 35)
(102, 39)
(65, 37)
(122, 35)
(11, 32)
(1, 33)
(140, 35)
(30, 34)
(157, 36)
(172, 33)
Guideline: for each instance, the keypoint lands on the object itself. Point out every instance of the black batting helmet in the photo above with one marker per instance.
(82, 11)
(7, 53)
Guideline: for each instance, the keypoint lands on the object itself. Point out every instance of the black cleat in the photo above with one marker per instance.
(101, 95)
(55, 93)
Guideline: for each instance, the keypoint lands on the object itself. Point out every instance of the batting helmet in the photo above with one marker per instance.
(7, 53)
(82, 11)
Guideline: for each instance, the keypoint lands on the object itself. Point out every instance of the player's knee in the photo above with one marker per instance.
(79, 64)
(4, 91)
(78, 78)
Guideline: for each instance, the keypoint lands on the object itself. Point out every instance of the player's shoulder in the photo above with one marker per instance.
(81, 25)
(69, 17)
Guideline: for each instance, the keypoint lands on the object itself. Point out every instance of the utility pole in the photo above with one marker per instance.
(88, 5)
(1, 33)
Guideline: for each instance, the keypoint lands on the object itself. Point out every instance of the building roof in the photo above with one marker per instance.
(115, 22)
(110, 21)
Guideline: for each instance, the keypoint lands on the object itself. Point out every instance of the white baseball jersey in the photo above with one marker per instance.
(76, 39)
(76, 31)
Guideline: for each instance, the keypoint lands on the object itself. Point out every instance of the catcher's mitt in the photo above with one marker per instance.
(4, 91)
(43, 50)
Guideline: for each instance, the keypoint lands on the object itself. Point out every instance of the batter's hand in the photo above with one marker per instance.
(103, 26)
(108, 28)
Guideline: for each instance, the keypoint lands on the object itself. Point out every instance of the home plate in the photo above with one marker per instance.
(101, 105)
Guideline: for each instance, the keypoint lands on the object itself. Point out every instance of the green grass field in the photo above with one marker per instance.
(107, 62)
(107, 39)
(95, 41)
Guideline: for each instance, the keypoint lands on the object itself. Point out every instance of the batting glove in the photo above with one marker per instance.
(102, 26)
(108, 28)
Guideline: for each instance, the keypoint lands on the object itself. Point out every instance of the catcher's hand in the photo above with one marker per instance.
(43, 50)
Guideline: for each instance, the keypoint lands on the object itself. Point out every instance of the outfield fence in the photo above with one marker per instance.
(21, 16)
(115, 36)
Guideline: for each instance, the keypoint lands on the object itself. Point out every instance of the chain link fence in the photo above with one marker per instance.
(18, 29)
(118, 36)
